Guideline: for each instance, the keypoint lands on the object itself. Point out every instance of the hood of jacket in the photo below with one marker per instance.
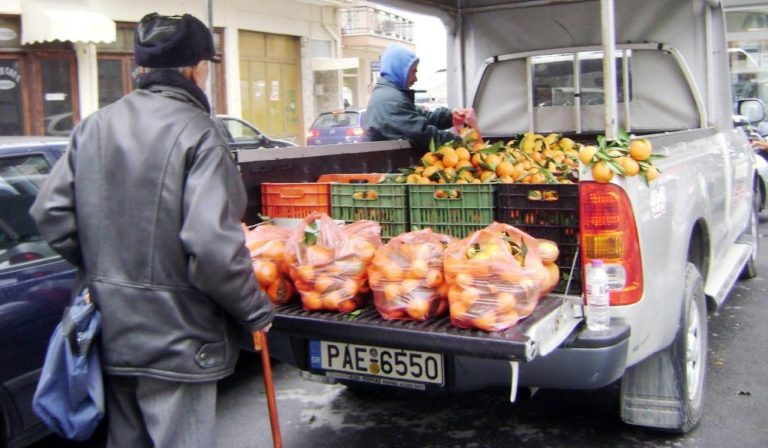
(395, 64)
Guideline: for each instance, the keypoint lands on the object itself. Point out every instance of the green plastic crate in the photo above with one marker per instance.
(456, 216)
(389, 208)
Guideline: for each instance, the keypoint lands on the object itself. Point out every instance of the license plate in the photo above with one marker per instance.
(384, 363)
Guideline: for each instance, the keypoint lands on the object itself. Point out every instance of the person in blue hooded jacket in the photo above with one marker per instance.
(392, 113)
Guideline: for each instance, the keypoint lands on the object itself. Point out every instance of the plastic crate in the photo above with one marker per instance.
(549, 211)
(389, 207)
(471, 209)
(295, 200)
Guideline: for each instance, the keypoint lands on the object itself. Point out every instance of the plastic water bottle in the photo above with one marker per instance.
(598, 309)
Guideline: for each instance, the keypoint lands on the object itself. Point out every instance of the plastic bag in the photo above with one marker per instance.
(328, 263)
(266, 244)
(406, 276)
(494, 278)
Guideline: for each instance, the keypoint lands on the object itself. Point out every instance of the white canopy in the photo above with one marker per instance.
(44, 21)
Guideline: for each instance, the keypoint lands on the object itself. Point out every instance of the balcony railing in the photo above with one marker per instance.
(368, 20)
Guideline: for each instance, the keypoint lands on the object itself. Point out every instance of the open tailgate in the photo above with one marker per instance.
(554, 318)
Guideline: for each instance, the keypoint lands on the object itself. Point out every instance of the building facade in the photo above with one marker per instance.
(61, 60)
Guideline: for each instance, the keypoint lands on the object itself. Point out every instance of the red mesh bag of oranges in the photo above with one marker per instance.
(406, 276)
(494, 277)
(328, 262)
(266, 244)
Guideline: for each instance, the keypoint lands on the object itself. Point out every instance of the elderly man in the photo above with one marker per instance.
(147, 203)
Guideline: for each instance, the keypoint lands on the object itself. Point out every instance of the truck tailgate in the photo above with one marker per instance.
(552, 321)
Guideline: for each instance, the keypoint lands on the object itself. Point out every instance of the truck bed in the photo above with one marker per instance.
(552, 321)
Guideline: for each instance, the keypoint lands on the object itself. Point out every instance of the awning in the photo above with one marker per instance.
(43, 21)
(320, 64)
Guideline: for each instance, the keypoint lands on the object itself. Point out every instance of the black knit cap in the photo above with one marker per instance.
(172, 41)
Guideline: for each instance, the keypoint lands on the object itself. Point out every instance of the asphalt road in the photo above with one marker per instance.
(320, 415)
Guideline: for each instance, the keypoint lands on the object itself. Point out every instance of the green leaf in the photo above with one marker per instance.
(432, 145)
(352, 315)
(264, 218)
(523, 251)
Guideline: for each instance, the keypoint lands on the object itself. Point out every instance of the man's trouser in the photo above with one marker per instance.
(148, 412)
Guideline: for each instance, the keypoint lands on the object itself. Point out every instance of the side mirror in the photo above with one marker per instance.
(752, 109)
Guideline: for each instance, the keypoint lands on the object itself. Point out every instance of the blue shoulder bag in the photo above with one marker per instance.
(69, 397)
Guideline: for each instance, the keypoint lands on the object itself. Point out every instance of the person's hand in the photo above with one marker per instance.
(255, 336)
(266, 329)
(763, 146)
(460, 113)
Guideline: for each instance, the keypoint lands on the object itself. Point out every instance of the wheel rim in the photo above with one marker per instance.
(694, 358)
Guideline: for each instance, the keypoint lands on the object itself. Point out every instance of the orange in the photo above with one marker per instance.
(463, 153)
(429, 158)
(311, 301)
(319, 255)
(505, 302)
(548, 251)
(640, 149)
(450, 159)
(266, 272)
(332, 299)
(392, 291)
(364, 249)
(374, 277)
(306, 272)
(601, 173)
(347, 306)
(485, 322)
(463, 279)
(505, 168)
(434, 278)
(630, 165)
(586, 154)
(418, 268)
(392, 272)
(323, 283)
(418, 308)
(651, 173)
(554, 279)
(275, 250)
(350, 287)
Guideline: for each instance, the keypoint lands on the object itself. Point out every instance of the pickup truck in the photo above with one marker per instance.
(675, 246)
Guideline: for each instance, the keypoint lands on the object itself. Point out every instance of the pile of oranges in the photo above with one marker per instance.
(622, 156)
(266, 244)
(406, 276)
(495, 277)
(329, 264)
(529, 158)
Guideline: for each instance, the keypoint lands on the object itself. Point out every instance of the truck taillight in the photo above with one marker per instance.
(609, 233)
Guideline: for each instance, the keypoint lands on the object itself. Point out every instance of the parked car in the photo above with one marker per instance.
(35, 284)
(332, 128)
(753, 135)
(241, 134)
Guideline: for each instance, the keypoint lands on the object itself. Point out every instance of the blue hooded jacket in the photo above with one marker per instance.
(396, 62)
(392, 114)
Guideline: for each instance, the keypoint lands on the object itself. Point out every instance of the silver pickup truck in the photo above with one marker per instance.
(674, 247)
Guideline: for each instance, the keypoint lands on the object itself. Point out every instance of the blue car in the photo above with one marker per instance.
(333, 128)
(35, 284)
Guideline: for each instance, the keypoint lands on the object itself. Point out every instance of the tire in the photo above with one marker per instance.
(666, 391)
(750, 269)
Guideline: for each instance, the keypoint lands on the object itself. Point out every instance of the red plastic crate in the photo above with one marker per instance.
(295, 200)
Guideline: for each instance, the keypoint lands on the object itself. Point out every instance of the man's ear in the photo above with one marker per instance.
(199, 73)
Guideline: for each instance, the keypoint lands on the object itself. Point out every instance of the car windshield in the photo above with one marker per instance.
(330, 120)
(239, 131)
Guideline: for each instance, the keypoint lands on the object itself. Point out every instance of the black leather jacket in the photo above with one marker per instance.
(147, 202)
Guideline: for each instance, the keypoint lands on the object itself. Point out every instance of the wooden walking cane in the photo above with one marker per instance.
(260, 343)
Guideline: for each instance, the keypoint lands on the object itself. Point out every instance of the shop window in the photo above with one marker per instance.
(56, 83)
(11, 104)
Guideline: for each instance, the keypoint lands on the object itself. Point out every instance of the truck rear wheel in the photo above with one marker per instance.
(666, 391)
